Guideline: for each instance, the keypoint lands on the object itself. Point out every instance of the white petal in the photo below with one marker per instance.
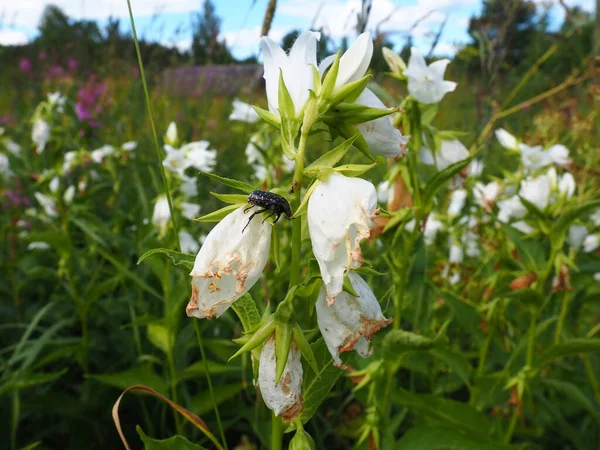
(243, 112)
(355, 61)
(506, 139)
(350, 321)
(228, 264)
(274, 58)
(285, 398)
(340, 215)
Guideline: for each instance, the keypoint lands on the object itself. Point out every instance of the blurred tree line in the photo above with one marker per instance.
(506, 39)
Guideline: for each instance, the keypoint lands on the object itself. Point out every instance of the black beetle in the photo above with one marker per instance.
(269, 202)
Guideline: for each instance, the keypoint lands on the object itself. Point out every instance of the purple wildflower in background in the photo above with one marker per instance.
(88, 105)
(42, 55)
(14, 200)
(25, 65)
(55, 71)
(72, 64)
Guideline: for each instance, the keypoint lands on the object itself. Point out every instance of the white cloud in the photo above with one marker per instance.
(13, 37)
(245, 41)
(27, 13)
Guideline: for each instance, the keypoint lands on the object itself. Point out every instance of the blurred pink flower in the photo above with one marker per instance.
(42, 55)
(55, 71)
(72, 64)
(88, 105)
(25, 65)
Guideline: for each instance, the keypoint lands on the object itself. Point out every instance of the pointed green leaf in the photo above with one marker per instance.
(332, 157)
(354, 170)
(143, 374)
(238, 199)
(350, 91)
(570, 348)
(442, 177)
(444, 437)
(177, 258)
(400, 341)
(305, 348)
(283, 340)
(218, 215)
(287, 108)
(304, 205)
(259, 336)
(348, 287)
(330, 78)
(268, 116)
(235, 184)
(175, 442)
(161, 337)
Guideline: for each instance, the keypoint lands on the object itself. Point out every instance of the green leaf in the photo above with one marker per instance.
(533, 209)
(354, 113)
(560, 227)
(235, 184)
(456, 361)
(331, 158)
(246, 309)
(571, 391)
(354, 170)
(22, 381)
(177, 258)
(172, 443)
(136, 375)
(437, 437)
(350, 91)
(161, 337)
(239, 199)
(202, 402)
(304, 205)
(570, 348)
(532, 252)
(218, 215)
(458, 415)
(442, 177)
(527, 296)
(316, 385)
(125, 271)
(400, 341)
(287, 110)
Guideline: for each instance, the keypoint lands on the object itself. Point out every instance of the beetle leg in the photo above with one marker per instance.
(252, 217)
(248, 208)
(271, 215)
(277, 218)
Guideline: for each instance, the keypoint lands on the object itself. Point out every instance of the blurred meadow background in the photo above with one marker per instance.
(80, 185)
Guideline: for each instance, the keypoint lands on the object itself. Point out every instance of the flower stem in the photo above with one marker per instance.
(512, 425)
(561, 318)
(297, 225)
(276, 433)
(531, 338)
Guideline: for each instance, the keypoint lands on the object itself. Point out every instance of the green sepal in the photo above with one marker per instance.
(399, 217)
(440, 178)
(346, 131)
(235, 184)
(234, 199)
(365, 270)
(283, 339)
(305, 348)
(354, 170)
(316, 78)
(259, 336)
(287, 109)
(332, 157)
(350, 91)
(354, 113)
(289, 131)
(533, 209)
(268, 116)
(348, 287)
(304, 205)
(218, 215)
(330, 78)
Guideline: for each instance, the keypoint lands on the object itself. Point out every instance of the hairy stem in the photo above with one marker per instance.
(297, 225)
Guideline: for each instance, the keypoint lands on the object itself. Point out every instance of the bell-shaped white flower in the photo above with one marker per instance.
(426, 83)
(40, 134)
(559, 155)
(476, 168)
(457, 202)
(534, 158)
(285, 398)
(576, 236)
(4, 166)
(199, 156)
(349, 323)
(355, 61)
(47, 203)
(188, 243)
(450, 152)
(99, 154)
(591, 243)
(510, 208)
(228, 264)
(161, 214)
(486, 194)
(380, 134)
(566, 185)
(507, 140)
(171, 137)
(536, 191)
(189, 210)
(129, 146)
(69, 161)
(69, 195)
(243, 112)
(340, 214)
(296, 69)
(189, 186)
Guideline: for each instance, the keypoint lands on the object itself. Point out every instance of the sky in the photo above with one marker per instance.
(169, 21)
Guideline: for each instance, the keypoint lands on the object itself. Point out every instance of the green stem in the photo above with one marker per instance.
(209, 381)
(276, 433)
(297, 225)
(511, 427)
(399, 297)
(173, 385)
(561, 318)
(485, 348)
(154, 135)
(531, 338)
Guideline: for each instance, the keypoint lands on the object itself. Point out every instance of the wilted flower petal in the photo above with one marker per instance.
(228, 264)
(426, 83)
(350, 322)
(285, 398)
(340, 214)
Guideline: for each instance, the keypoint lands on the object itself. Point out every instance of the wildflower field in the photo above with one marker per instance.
(370, 248)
